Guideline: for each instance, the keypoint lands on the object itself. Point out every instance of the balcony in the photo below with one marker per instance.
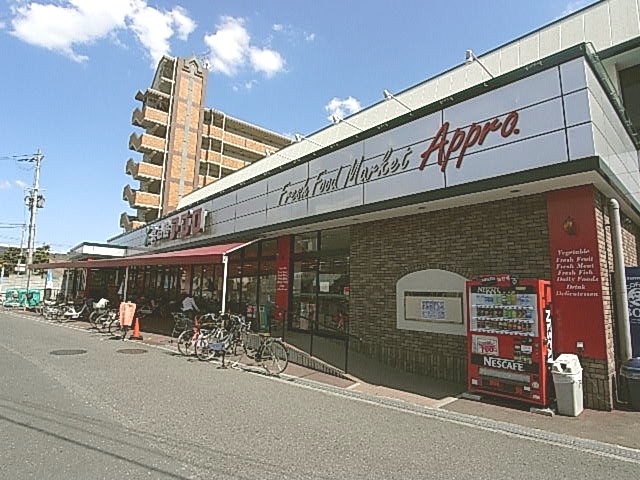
(209, 156)
(242, 143)
(205, 180)
(143, 171)
(148, 117)
(138, 199)
(146, 143)
(128, 222)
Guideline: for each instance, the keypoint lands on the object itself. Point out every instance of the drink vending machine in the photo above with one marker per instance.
(509, 338)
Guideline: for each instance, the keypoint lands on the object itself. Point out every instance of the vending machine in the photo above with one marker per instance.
(509, 338)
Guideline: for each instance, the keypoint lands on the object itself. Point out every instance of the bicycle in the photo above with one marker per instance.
(181, 322)
(271, 353)
(223, 340)
(202, 326)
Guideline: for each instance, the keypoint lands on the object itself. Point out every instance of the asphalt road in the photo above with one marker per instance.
(104, 414)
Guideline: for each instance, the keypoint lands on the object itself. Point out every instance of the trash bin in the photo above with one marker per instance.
(630, 370)
(567, 378)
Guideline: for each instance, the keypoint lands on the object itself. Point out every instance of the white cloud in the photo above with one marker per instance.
(21, 184)
(266, 61)
(249, 85)
(277, 27)
(342, 107)
(183, 23)
(309, 37)
(228, 46)
(231, 50)
(65, 25)
(5, 185)
(575, 5)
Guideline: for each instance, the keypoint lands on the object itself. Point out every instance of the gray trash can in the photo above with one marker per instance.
(630, 370)
(567, 378)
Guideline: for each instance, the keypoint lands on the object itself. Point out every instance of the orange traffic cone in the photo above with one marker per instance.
(136, 330)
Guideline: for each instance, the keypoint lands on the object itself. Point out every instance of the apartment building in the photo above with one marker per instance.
(183, 145)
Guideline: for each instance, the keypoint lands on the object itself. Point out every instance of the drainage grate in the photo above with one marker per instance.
(68, 352)
(132, 351)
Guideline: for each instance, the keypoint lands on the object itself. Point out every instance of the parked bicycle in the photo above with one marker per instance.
(206, 325)
(271, 352)
(225, 341)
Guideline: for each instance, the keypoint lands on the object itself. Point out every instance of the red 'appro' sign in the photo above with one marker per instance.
(465, 138)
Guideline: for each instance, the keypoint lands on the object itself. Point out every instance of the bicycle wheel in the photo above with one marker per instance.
(274, 357)
(103, 322)
(240, 343)
(94, 319)
(116, 329)
(201, 347)
(186, 342)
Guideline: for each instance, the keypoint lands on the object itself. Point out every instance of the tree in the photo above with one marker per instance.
(10, 258)
(41, 255)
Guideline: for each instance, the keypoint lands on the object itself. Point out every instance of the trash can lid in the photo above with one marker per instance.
(566, 363)
(632, 365)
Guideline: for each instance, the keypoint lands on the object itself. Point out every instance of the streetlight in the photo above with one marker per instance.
(336, 120)
(390, 96)
(470, 58)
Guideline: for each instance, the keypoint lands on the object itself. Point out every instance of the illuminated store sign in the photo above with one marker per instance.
(180, 226)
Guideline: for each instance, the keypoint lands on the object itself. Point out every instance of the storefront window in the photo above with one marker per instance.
(269, 248)
(333, 295)
(304, 294)
(251, 250)
(337, 239)
(249, 295)
(234, 290)
(196, 282)
(266, 295)
(307, 242)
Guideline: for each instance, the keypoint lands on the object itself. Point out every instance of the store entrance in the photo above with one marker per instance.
(318, 322)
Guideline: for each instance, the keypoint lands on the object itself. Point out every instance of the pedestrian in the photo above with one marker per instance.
(189, 306)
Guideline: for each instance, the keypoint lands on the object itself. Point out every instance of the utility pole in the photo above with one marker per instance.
(23, 228)
(34, 202)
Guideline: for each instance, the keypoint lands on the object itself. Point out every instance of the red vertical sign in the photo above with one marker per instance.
(578, 311)
(283, 274)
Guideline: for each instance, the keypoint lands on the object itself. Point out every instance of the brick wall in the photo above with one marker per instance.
(498, 237)
(185, 134)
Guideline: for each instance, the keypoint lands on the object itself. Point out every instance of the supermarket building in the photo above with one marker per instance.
(337, 238)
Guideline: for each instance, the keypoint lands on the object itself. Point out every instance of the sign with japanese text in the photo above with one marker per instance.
(179, 226)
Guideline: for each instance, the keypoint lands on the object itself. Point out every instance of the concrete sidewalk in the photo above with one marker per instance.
(617, 427)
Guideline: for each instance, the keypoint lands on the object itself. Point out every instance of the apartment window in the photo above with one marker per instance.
(630, 85)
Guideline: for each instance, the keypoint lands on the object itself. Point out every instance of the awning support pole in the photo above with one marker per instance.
(66, 285)
(126, 278)
(225, 262)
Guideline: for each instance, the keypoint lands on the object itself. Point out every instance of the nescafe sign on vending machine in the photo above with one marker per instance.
(509, 337)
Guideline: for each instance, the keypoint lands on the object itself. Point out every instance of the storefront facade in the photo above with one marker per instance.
(334, 247)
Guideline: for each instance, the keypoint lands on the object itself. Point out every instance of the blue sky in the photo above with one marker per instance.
(71, 69)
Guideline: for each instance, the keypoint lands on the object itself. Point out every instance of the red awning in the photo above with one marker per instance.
(192, 256)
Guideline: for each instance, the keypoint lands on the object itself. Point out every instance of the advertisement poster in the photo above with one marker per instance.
(485, 345)
(632, 275)
(432, 309)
